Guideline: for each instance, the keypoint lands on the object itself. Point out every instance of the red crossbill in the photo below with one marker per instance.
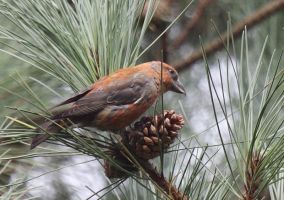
(115, 101)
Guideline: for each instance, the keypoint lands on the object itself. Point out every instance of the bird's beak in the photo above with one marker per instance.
(178, 87)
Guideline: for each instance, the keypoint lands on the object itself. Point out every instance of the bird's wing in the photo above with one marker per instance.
(74, 98)
(118, 93)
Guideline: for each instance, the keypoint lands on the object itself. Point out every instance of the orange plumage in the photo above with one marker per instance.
(115, 101)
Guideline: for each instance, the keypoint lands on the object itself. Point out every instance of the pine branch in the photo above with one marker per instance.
(162, 182)
(250, 21)
(252, 180)
(198, 13)
(71, 3)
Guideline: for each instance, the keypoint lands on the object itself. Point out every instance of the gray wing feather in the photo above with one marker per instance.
(95, 101)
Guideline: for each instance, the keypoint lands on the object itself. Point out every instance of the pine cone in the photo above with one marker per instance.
(146, 140)
(152, 134)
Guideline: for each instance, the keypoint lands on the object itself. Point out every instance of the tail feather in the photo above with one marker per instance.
(49, 127)
(37, 140)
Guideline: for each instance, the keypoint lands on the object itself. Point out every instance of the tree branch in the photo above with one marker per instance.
(71, 3)
(162, 182)
(253, 180)
(217, 44)
(198, 12)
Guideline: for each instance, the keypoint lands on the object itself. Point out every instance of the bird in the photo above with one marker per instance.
(115, 101)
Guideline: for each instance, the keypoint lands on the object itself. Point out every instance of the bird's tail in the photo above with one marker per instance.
(49, 127)
(37, 140)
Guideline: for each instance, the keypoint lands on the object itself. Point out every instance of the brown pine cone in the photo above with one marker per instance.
(152, 134)
(146, 139)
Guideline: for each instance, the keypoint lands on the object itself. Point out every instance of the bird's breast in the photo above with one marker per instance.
(118, 117)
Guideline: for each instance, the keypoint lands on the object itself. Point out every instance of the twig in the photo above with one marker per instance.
(217, 44)
(162, 11)
(162, 182)
(159, 23)
(71, 3)
(198, 12)
(252, 180)
(164, 44)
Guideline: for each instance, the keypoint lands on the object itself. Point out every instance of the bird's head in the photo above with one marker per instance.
(170, 78)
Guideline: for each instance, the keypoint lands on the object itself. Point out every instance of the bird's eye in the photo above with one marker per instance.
(173, 74)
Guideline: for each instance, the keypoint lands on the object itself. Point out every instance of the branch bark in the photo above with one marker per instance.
(162, 182)
(198, 12)
(248, 22)
(71, 3)
(253, 181)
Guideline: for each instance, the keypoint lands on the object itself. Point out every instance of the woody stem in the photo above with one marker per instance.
(218, 43)
(162, 182)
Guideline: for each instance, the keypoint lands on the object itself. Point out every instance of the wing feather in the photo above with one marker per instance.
(73, 99)
(120, 93)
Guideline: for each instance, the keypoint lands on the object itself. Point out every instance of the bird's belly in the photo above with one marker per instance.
(118, 117)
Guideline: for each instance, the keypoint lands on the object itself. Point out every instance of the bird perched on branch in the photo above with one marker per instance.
(115, 101)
